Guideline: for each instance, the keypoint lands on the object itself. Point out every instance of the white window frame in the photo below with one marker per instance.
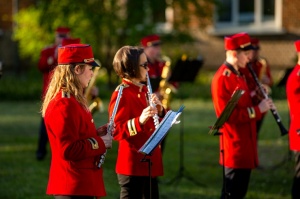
(257, 27)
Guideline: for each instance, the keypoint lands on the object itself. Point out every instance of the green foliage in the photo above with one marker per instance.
(31, 36)
(22, 177)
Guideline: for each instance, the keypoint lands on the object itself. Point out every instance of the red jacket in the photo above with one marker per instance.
(47, 62)
(239, 132)
(131, 135)
(293, 99)
(75, 149)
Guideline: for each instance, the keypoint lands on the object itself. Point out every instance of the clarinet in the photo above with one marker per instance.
(275, 114)
(155, 117)
(110, 127)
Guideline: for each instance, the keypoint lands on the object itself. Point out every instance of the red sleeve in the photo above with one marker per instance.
(66, 123)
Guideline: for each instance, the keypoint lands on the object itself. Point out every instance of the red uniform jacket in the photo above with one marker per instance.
(293, 98)
(131, 135)
(75, 149)
(47, 62)
(239, 132)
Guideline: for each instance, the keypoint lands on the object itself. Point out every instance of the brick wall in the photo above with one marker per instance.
(8, 48)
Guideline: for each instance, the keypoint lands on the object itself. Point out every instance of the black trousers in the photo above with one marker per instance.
(235, 184)
(42, 141)
(296, 181)
(138, 187)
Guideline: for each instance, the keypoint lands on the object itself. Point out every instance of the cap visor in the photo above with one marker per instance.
(94, 64)
(250, 47)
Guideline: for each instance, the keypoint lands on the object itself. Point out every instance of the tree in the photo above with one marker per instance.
(105, 24)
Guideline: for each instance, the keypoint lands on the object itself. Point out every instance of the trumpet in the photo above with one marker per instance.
(110, 127)
(155, 117)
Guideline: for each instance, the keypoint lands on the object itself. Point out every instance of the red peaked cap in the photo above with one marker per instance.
(62, 30)
(67, 41)
(255, 43)
(150, 40)
(76, 54)
(297, 45)
(239, 41)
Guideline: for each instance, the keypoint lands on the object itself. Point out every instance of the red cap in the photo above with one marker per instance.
(239, 41)
(150, 40)
(297, 45)
(255, 43)
(67, 41)
(76, 54)
(62, 30)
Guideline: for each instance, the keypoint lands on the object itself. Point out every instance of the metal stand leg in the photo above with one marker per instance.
(181, 170)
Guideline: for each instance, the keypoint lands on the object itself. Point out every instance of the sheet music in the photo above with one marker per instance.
(161, 131)
(227, 111)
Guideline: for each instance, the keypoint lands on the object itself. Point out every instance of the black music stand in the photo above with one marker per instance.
(214, 130)
(158, 135)
(185, 70)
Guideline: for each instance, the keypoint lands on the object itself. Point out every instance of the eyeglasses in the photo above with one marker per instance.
(145, 65)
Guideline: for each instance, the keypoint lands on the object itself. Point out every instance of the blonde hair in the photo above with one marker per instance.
(64, 78)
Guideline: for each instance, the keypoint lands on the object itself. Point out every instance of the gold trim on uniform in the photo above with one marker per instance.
(131, 127)
(94, 143)
(65, 94)
(251, 112)
(244, 45)
(226, 72)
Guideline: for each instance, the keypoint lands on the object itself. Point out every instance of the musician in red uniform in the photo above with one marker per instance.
(134, 125)
(238, 146)
(46, 64)
(152, 49)
(76, 145)
(293, 98)
(263, 73)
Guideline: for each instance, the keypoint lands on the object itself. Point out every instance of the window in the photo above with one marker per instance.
(253, 16)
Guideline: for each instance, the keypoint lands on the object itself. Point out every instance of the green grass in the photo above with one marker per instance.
(22, 177)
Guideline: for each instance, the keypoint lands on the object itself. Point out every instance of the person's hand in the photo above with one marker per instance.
(155, 100)
(265, 105)
(147, 113)
(102, 130)
(107, 139)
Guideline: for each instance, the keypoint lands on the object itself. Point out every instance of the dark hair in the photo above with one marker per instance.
(126, 62)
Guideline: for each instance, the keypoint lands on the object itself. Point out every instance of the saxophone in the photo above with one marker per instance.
(110, 127)
(94, 101)
(165, 88)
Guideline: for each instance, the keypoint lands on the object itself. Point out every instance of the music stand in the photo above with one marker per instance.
(221, 120)
(185, 70)
(157, 136)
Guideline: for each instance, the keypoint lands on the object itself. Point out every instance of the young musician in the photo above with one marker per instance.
(293, 98)
(134, 125)
(46, 65)
(238, 146)
(263, 72)
(76, 145)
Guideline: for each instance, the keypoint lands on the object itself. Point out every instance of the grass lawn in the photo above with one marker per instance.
(23, 177)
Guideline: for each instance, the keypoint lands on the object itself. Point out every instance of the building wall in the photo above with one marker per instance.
(278, 49)
(8, 48)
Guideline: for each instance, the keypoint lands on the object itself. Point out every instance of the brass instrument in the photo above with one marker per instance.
(165, 88)
(92, 98)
